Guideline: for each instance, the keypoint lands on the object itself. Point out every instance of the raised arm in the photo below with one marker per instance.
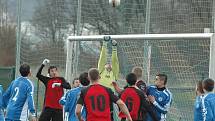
(102, 57)
(115, 61)
(39, 75)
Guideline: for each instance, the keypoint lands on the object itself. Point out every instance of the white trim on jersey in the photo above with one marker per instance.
(24, 116)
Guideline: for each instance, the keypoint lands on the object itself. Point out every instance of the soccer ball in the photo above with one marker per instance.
(114, 3)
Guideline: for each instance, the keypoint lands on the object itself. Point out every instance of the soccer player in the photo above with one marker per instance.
(54, 91)
(135, 100)
(20, 95)
(98, 100)
(71, 97)
(108, 73)
(160, 97)
(1, 104)
(138, 71)
(198, 102)
(208, 104)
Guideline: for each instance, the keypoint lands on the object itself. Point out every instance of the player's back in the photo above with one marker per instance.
(98, 102)
(17, 106)
(132, 98)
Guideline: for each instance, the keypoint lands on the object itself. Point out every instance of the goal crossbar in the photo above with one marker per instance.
(190, 36)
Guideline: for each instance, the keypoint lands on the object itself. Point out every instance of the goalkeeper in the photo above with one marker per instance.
(108, 73)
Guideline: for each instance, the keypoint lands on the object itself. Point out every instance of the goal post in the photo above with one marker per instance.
(185, 58)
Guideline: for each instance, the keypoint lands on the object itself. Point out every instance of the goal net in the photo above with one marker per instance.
(185, 58)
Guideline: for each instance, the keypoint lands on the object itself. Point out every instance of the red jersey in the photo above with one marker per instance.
(98, 101)
(53, 95)
(133, 100)
(137, 105)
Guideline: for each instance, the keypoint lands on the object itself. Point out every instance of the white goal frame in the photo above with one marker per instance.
(144, 37)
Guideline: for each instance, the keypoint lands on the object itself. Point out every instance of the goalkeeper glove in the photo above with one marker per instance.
(114, 43)
(45, 61)
(107, 38)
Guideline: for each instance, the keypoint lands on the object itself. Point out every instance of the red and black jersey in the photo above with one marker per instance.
(53, 95)
(142, 86)
(98, 100)
(136, 104)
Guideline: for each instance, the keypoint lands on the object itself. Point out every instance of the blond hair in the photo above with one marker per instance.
(138, 71)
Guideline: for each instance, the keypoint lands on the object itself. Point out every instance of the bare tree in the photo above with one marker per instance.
(50, 20)
(8, 45)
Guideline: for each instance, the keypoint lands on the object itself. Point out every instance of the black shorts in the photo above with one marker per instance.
(49, 114)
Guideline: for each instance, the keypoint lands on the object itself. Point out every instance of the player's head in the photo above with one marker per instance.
(93, 74)
(75, 83)
(141, 85)
(160, 80)
(108, 67)
(53, 72)
(199, 88)
(25, 70)
(84, 80)
(138, 71)
(208, 85)
(131, 79)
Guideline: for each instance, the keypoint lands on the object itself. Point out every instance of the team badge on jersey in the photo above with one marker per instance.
(160, 98)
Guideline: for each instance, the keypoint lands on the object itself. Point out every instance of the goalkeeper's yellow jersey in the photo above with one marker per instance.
(108, 77)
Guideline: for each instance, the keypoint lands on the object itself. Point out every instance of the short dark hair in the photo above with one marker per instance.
(74, 80)
(162, 77)
(51, 67)
(24, 70)
(208, 84)
(93, 74)
(83, 78)
(131, 79)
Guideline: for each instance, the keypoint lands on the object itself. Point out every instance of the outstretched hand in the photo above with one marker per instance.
(107, 38)
(114, 43)
(45, 61)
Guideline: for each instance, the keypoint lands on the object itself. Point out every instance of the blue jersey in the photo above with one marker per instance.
(20, 95)
(208, 107)
(1, 104)
(163, 99)
(69, 101)
(198, 109)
